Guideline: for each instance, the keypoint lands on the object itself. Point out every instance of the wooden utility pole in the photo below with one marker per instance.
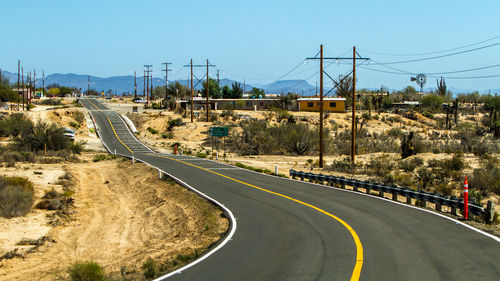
(43, 83)
(208, 94)
(18, 81)
(353, 126)
(321, 107)
(88, 84)
(208, 82)
(148, 71)
(192, 105)
(218, 80)
(166, 77)
(29, 91)
(22, 81)
(321, 113)
(144, 86)
(34, 85)
(135, 85)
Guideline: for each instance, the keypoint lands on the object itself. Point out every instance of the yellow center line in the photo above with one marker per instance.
(359, 247)
(116, 135)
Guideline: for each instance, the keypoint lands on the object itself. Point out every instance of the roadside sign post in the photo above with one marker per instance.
(220, 132)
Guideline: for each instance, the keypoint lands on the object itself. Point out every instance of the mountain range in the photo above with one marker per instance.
(125, 84)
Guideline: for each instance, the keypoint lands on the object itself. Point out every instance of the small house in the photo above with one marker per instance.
(329, 104)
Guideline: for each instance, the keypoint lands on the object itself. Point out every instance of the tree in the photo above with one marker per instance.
(6, 93)
(432, 101)
(344, 88)
(256, 93)
(441, 87)
(227, 93)
(213, 89)
(237, 90)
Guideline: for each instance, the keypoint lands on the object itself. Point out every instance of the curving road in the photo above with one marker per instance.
(290, 230)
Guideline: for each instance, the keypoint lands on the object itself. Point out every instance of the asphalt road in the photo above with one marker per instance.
(290, 230)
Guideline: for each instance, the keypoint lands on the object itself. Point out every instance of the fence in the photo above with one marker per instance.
(421, 197)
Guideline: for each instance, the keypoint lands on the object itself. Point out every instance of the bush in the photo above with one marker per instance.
(16, 196)
(201, 155)
(74, 125)
(149, 268)
(152, 131)
(366, 116)
(86, 271)
(51, 102)
(174, 123)
(168, 135)
(99, 157)
(487, 177)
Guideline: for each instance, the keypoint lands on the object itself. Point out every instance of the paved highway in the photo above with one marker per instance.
(290, 230)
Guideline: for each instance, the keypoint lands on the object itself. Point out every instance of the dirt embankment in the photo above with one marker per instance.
(123, 215)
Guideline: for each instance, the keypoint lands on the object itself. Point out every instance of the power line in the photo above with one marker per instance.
(432, 52)
(442, 56)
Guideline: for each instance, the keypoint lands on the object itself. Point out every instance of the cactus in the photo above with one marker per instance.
(407, 148)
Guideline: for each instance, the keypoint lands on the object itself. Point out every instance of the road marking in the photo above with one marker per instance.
(112, 128)
(359, 247)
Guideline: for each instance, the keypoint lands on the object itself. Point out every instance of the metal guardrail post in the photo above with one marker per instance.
(489, 212)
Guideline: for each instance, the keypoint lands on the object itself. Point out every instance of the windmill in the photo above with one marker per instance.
(420, 79)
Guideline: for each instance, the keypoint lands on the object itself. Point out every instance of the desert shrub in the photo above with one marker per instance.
(167, 135)
(74, 125)
(16, 196)
(99, 157)
(344, 165)
(152, 131)
(410, 165)
(428, 114)
(432, 101)
(201, 155)
(380, 166)
(395, 132)
(149, 268)
(281, 114)
(51, 102)
(487, 177)
(174, 123)
(366, 116)
(86, 271)
(78, 116)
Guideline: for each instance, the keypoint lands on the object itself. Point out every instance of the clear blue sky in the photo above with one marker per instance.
(254, 40)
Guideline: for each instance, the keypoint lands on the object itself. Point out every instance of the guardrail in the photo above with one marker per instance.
(420, 197)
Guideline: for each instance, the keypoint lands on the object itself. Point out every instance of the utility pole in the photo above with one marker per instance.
(43, 83)
(29, 91)
(166, 77)
(321, 58)
(148, 71)
(208, 93)
(135, 85)
(353, 126)
(22, 81)
(218, 80)
(207, 86)
(34, 84)
(151, 91)
(192, 105)
(88, 85)
(244, 86)
(18, 81)
(144, 87)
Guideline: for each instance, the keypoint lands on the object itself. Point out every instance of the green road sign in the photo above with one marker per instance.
(218, 131)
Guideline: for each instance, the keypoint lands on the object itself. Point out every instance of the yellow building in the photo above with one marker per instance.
(329, 104)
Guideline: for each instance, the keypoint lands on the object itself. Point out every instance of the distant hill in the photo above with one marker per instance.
(125, 84)
(300, 87)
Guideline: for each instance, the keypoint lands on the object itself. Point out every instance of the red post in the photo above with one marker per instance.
(175, 150)
(466, 199)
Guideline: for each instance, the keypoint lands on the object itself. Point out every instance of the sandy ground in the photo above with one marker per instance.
(124, 214)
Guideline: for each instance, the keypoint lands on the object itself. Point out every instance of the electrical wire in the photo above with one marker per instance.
(432, 52)
(442, 56)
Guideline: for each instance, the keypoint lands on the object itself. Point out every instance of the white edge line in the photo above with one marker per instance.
(232, 219)
(232, 225)
(374, 197)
